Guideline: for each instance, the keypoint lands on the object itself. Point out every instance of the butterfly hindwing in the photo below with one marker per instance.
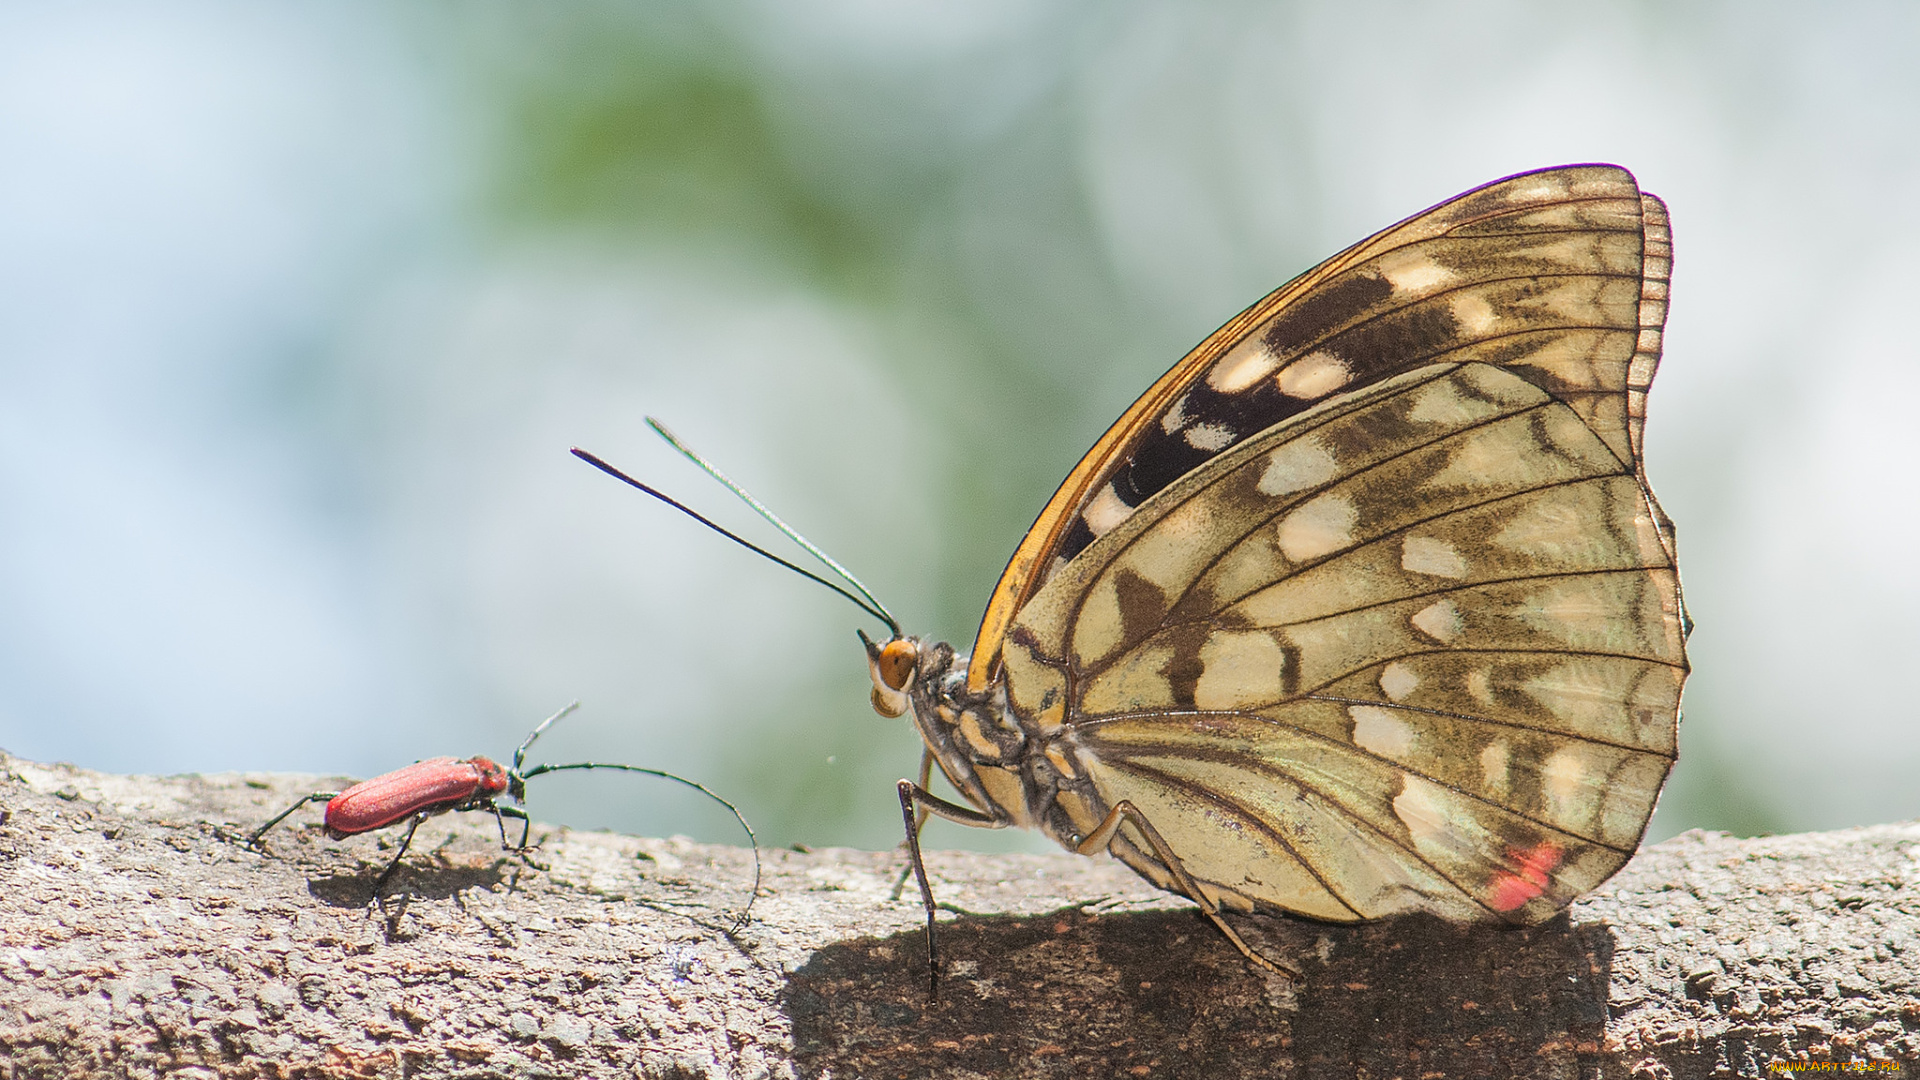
(1560, 276)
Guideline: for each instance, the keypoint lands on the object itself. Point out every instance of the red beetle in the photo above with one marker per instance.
(438, 785)
(423, 788)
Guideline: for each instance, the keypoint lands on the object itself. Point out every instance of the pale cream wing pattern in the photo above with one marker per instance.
(1419, 647)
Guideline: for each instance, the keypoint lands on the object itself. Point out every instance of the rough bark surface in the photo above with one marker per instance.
(141, 937)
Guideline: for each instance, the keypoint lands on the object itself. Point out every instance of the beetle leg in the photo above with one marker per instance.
(501, 814)
(915, 802)
(318, 796)
(1125, 811)
(381, 882)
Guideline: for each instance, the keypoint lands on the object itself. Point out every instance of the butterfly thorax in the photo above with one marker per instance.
(1001, 761)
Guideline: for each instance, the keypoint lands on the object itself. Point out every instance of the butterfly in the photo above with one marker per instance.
(1364, 608)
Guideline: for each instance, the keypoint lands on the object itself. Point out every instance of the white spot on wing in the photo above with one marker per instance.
(1418, 808)
(1297, 466)
(1240, 670)
(1211, 437)
(1570, 614)
(1439, 402)
(1439, 620)
(1480, 685)
(1397, 680)
(1472, 314)
(1176, 417)
(1100, 625)
(1431, 556)
(1106, 510)
(1493, 767)
(1408, 270)
(1476, 460)
(1381, 731)
(1547, 527)
(1539, 189)
(1316, 374)
(1167, 555)
(1246, 364)
(1567, 776)
(1320, 526)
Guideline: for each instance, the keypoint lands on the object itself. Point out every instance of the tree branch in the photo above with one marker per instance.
(139, 936)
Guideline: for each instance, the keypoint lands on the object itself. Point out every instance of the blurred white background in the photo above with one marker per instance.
(301, 306)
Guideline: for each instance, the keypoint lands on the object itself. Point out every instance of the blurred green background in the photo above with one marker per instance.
(304, 303)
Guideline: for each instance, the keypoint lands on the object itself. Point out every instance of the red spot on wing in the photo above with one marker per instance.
(1527, 879)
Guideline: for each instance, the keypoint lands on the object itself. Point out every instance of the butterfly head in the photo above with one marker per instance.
(893, 665)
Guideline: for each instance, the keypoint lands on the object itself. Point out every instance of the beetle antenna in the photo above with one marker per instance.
(520, 755)
(752, 840)
(869, 605)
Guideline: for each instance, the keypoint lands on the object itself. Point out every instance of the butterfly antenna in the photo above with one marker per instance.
(869, 605)
(760, 508)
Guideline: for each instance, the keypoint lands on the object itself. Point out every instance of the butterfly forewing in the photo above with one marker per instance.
(1559, 275)
(1366, 605)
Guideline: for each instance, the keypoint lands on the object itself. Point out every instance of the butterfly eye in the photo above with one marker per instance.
(893, 666)
(896, 663)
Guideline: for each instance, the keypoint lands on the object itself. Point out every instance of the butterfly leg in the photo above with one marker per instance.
(1126, 812)
(915, 803)
(926, 784)
(920, 819)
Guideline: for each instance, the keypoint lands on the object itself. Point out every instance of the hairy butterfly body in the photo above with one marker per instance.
(1366, 606)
